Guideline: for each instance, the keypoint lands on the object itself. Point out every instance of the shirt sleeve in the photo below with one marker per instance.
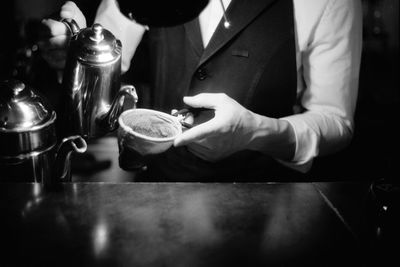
(330, 65)
(127, 31)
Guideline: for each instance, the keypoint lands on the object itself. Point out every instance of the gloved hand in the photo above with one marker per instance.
(231, 130)
(235, 128)
(53, 44)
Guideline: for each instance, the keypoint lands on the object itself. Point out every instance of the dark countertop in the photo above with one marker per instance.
(182, 224)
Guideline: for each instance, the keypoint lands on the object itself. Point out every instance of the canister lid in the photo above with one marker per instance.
(97, 45)
(21, 108)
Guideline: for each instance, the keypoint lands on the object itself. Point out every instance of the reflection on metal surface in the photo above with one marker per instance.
(34, 201)
(26, 109)
(173, 224)
(37, 189)
(75, 190)
(100, 238)
(288, 206)
(198, 220)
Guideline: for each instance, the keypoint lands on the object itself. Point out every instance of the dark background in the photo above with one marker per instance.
(374, 151)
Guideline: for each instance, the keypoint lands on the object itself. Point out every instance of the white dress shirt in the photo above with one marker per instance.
(210, 17)
(328, 54)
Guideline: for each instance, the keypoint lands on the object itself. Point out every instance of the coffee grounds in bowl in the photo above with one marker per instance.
(152, 126)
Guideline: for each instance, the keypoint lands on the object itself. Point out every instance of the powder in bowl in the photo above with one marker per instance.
(152, 125)
(147, 131)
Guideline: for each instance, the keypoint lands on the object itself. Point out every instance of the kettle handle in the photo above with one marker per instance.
(72, 26)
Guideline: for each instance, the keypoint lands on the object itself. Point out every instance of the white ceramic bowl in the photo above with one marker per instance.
(151, 143)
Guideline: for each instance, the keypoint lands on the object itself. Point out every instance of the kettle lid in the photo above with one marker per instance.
(97, 45)
(21, 108)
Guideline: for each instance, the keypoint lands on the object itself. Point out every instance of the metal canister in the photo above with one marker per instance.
(29, 151)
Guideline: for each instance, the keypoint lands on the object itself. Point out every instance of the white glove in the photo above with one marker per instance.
(235, 128)
(228, 132)
(53, 46)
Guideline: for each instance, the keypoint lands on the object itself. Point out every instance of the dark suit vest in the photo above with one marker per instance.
(253, 61)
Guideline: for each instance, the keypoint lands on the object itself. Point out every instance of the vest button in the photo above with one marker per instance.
(201, 74)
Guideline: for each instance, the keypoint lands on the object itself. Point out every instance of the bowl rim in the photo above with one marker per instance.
(145, 137)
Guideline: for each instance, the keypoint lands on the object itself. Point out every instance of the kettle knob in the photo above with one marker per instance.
(97, 35)
(12, 88)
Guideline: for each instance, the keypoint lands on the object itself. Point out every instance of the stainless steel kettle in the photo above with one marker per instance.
(29, 151)
(94, 95)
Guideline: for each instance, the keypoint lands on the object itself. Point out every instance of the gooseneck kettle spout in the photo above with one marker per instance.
(63, 162)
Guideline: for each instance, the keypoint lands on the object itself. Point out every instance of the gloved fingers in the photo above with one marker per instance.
(196, 133)
(68, 10)
(189, 119)
(71, 11)
(186, 119)
(206, 100)
(55, 35)
(60, 41)
(53, 28)
(54, 43)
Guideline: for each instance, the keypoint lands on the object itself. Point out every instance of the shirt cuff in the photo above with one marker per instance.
(307, 142)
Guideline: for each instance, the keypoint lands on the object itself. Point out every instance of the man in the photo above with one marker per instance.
(281, 78)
